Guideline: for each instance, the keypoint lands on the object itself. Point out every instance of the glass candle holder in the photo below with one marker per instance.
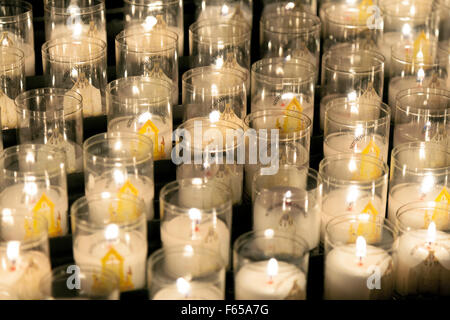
(422, 115)
(422, 250)
(72, 282)
(80, 65)
(289, 202)
(24, 252)
(227, 10)
(207, 89)
(75, 18)
(291, 33)
(34, 180)
(419, 172)
(353, 184)
(221, 43)
(351, 73)
(284, 83)
(12, 81)
(444, 59)
(146, 15)
(404, 21)
(7, 293)
(142, 105)
(357, 127)
(150, 54)
(110, 232)
(270, 265)
(350, 23)
(287, 143)
(415, 64)
(201, 277)
(196, 212)
(443, 7)
(120, 163)
(283, 6)
(53, 116)
(16, 28)
(215, 155)
(359, 262)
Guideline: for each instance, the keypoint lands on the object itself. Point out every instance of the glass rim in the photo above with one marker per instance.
(48, 172)
(273, 112)
(307, 67)
(419, 206)
(387, 10)
(178, 210)
(19, 57)
(234, 39)
(385, 224)
(397, 58)
(375, 56)
(52, 7)
(80, 217)
(120, 40)
(118, 83)
(416, 111)
(315, 27)
(33, 241)
(150, 3)
(330, 19)
(417, 145)
(53, 92)
(48, 45)
(374, 123)
(106, 137)
(26, 15)
(362, 184)
(228, 72)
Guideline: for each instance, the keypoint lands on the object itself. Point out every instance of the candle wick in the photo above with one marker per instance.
(350, 206)
(422, 196)
(360, 263)
(270, 280)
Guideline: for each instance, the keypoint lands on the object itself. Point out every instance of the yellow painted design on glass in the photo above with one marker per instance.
(125, 210)
(363, 7)
(290, 123)
(421, 49)
(440, 216)
(368, 169)
(368, 229)
(46, 208)
(114, 262)
(150, 130)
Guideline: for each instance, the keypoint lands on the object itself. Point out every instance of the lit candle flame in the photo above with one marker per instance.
(195, 215)
(214, 116)
(149, 23)
(225, 10)
(268, 233)
(30, 189)
(287, 199)
(406, 29)
(183, 287)
(431, 233)
(361, 248)
(426, 186)
(112, 232)
(352, 194)
(12, 252)
(118, 176)
(272, 269)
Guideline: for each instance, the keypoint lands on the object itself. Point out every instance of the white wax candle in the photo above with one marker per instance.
(288, 215)
(196, 292)
(423, 130)
(347, 275)
(119, 184)
(423, 266)
(24, 272)
(124, 254)
(158, 129)
(211, 233)
(51, 203)
(385, 43)
(10, 39)
(254, 282)
(78, 30)
(373, 144)
(227, 12)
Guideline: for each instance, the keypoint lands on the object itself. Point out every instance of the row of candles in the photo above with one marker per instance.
(294, 210)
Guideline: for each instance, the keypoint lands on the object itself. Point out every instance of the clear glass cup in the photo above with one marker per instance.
(359, 259)
(24, 252)
(53, 116)
(12, 82)
(443, 7)
(357, 127)
(422, 250)
(16, 28)
(353, 184)
(142, 105)
(80, 65)
(270, 265)
(110, 232)
(419, 172)
(215, 155)
(196, 212)
(422, 114)
(34, 180)
(290, 202)
(285, 83)
(72, 282)
(120, 163)
(75, 18)
(146, 15)
(352, 73)
(284, 134)
(444, 59)
(221, 43)
(186, 273)
(283, 6)
(207, 89)
(151, 54)
(290, 33)
(227, 10)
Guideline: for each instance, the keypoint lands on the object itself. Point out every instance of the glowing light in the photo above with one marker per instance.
(195, 214)
(361, 247)
(111, 232)
(214, 116)
(183, 287)
(431, 233)
(13, 250)
(268, 233)
(272, 268)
